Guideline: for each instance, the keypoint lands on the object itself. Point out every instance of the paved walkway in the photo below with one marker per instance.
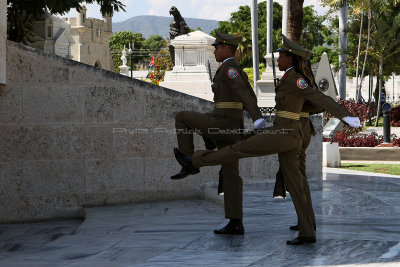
(379, 131)
(358, 224)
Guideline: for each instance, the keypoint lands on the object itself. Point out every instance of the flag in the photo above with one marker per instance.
(151, 63)
(150, 67)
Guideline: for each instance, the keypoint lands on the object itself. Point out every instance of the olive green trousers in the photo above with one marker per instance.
(289, 146)
(189, 122)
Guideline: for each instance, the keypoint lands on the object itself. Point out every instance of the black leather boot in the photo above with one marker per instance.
(234, 227)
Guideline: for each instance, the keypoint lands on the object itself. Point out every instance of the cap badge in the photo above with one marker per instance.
(232, 73)
(301, 83)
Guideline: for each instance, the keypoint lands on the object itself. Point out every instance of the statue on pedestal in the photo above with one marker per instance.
(177, 27)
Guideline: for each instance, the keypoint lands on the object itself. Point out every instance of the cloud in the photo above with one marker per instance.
(161, 7)
(153, 12)
(204, 9)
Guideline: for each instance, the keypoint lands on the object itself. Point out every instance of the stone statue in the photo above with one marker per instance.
(177, 27)
(123, 57)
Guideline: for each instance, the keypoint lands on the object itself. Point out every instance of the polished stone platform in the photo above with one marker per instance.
(358, 224)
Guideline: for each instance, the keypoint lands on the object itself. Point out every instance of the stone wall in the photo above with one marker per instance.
(72, 135)
(3, 38)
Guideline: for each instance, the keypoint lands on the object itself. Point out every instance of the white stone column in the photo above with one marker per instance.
(285, 16)
(270, 12)
(3, 40)
(254, 34)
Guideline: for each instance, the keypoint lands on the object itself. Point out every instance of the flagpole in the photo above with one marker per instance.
(131, 51)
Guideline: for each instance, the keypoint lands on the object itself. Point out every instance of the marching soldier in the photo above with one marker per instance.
(232, 94)
(285, 137)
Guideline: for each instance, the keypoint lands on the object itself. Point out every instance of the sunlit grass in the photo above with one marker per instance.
(393, 169)
(380, 123)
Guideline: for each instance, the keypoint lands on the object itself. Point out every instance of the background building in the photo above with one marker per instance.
(82, 39)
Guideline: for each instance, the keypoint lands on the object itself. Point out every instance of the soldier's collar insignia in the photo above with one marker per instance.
(232, 73)
(301, 83)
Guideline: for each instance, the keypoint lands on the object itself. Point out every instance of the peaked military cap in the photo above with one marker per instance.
(223, 38)
(294, 48)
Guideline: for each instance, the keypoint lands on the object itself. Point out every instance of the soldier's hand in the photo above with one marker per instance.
(258, 124)
(353, 122)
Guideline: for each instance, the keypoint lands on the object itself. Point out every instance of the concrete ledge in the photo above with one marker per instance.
(370, 153)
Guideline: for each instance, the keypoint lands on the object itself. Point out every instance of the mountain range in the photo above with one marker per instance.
(149, 25)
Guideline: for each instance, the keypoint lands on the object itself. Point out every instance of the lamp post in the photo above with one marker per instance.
(130, 51)
(393, 88)
(386, 108)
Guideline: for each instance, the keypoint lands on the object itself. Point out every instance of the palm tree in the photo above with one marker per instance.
(358, 93)
(378, 6)
(385, 44)
(295, 20)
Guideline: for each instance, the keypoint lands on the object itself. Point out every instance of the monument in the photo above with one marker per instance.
(124, 69)
(178, 27)
(324, 77)
(194, 61)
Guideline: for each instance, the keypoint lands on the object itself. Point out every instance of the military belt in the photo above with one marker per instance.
(304, 114)
(235, 105)
(287, 114)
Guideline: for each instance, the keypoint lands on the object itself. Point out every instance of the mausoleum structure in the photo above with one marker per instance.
(82, 39)
(91, 37)
(194, 61)
(52, 35)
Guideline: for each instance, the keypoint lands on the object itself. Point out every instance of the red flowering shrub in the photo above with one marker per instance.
(395, 122)
(356, 109)
(366, 140)
(360, 110)
(156, 75)
(162, 63)
(396, 141)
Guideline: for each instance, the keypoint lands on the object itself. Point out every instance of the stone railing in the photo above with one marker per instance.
(72, 135)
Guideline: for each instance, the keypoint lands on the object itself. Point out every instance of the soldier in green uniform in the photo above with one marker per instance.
(284, 137)
(232, 94)
(308, 131)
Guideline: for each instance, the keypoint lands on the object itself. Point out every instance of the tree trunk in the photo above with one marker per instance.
(358, 93)
(342, 49)
(380, 89)
(295, 23)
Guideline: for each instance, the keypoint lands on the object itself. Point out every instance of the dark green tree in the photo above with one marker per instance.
(143, 48)
(319, 50)
(314, 32)
(20, 13)
(120, 40)
(154, 43)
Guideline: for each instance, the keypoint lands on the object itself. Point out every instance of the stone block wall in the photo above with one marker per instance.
(72, 135)
(3, 39)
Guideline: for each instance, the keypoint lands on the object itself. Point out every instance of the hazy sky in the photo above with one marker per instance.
(202, 9)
